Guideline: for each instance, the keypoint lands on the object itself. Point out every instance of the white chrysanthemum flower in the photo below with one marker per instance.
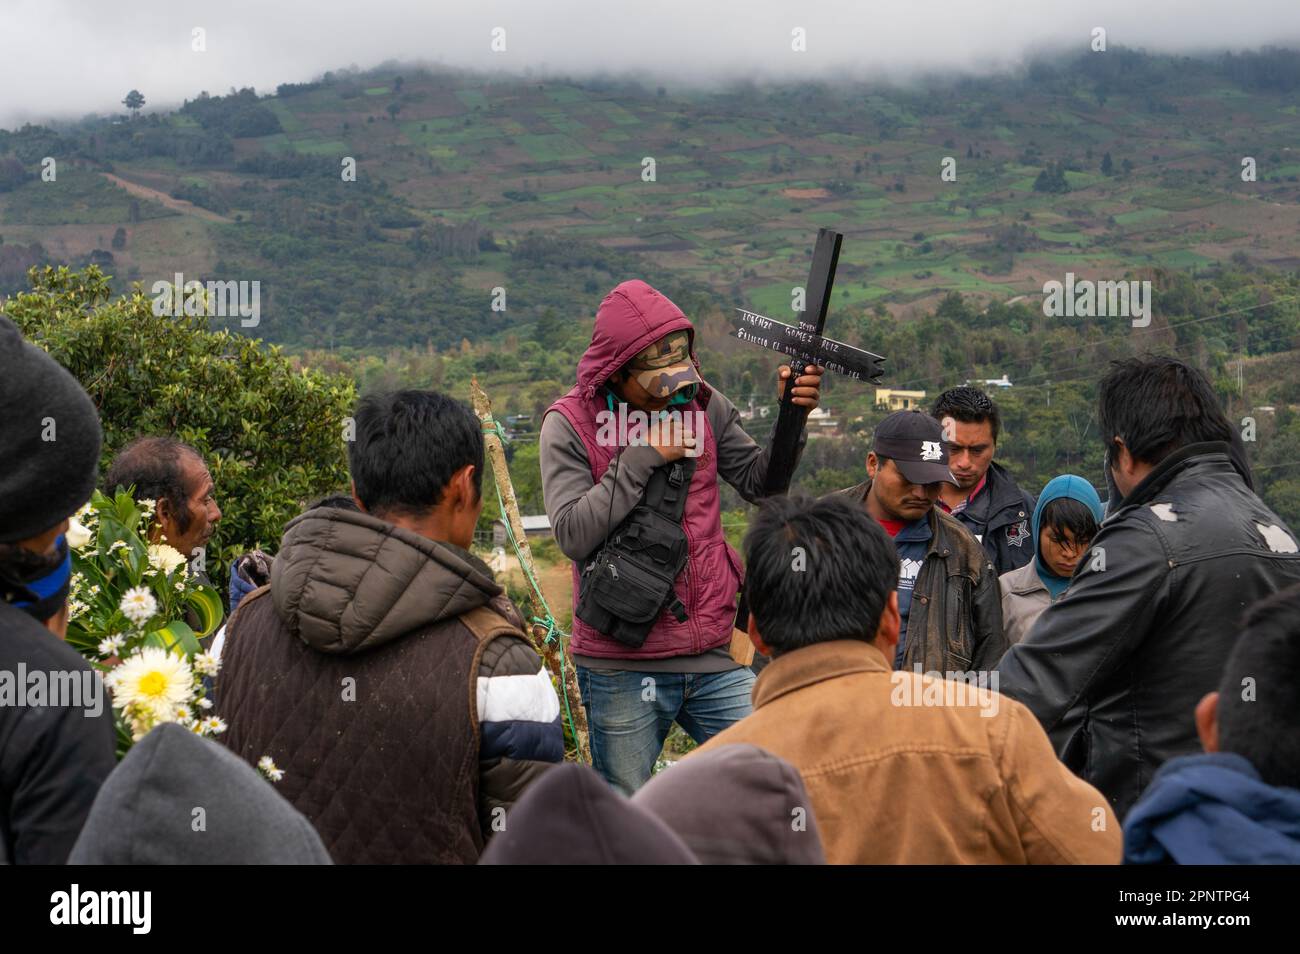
(165, 558)
(212, 725)
(148, 505)
(151, 683)
(205, 703)
(78, 535)
(183, 715)
(139, 605)
(116, 545)
(268, 768)
(206, 664)
(112, 645)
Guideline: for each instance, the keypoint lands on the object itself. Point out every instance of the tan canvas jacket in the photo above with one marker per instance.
(896, 779)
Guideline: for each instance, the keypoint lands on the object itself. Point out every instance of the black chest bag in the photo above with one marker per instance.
(630, 579)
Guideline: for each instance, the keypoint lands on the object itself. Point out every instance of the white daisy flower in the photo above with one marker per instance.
(268, 768)
(112, 645)
(206, 664)
(150, 685)
(139, 605)
(205, 703)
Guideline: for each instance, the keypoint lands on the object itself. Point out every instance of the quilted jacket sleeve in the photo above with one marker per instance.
(519, 722)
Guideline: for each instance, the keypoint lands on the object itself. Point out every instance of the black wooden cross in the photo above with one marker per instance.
(804, 345)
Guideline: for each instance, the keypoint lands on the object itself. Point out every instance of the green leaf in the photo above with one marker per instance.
(175, 635)
(206, 604)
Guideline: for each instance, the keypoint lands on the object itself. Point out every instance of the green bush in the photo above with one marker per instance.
(271, 435)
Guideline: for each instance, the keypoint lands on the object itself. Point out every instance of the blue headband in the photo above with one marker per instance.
(49, 592)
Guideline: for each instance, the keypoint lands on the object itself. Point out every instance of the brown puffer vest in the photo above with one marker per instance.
(358, 677)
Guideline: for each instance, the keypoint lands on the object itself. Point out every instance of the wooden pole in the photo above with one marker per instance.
(550, 652)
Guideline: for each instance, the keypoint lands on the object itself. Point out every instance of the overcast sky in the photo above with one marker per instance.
(66, 58)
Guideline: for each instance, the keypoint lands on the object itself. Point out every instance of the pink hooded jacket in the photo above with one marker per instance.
(632, 317)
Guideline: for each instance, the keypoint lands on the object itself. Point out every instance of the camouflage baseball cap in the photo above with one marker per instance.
(665, 367)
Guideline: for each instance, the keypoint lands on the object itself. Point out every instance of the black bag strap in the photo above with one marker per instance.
(665, 491)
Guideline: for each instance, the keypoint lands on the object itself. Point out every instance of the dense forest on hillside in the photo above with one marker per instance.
(1241, 326)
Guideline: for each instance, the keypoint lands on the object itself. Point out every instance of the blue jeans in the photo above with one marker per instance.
(629, 714)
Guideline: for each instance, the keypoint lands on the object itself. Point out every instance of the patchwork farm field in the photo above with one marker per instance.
(937, 189)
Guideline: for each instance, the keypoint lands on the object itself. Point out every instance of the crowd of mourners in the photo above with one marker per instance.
(935, 666)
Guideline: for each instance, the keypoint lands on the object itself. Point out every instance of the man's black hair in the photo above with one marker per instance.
(1158, 404)
(151, 466)
(1066, 513)
(408, 444)
(1264, 668)
(817, 570)
(970, 406)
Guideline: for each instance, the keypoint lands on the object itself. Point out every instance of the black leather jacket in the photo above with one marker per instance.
(955, 624)
(1114, 669)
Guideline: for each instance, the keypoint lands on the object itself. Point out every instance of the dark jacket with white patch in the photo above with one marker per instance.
(389, 677)
(1114, 669)
(999, 517)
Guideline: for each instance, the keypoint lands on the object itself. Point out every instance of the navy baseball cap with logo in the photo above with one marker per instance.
(913, 440)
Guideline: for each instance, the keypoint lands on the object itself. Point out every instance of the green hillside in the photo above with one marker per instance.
(1122, 165)
(456, 172)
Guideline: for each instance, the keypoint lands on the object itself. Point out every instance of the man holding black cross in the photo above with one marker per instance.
(670, 661)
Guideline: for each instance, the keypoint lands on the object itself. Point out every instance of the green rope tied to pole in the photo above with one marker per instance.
(493, 426)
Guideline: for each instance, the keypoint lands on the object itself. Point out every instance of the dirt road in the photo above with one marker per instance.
(162, 198)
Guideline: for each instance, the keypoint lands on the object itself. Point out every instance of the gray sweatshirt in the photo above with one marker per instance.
(581, 513)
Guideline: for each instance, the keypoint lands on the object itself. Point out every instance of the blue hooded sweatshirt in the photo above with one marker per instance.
(1076, 488)
(1213, 809)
